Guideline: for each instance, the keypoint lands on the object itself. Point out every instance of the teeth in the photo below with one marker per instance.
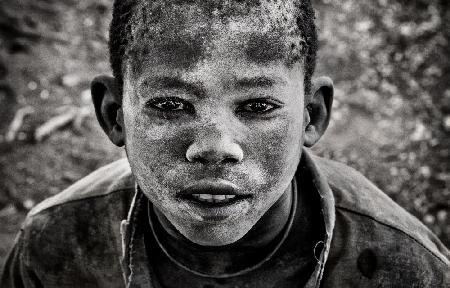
(204, 196)
(219, 197)
(209, 198)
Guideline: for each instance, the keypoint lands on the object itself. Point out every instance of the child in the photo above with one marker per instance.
(214, 103)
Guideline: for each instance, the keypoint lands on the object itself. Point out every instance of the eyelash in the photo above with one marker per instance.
(269, 103)
(158, 102)
(179, 105)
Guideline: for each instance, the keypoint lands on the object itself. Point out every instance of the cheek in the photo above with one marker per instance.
(154, 150)
(277, 148)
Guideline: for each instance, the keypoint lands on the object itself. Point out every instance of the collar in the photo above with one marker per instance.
(136, 270)
(328, 213)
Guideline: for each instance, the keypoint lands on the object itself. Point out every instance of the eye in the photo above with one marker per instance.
(169, 104)
(259, 106)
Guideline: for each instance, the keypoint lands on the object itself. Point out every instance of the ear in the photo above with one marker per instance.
(108, 108)
(318, 110)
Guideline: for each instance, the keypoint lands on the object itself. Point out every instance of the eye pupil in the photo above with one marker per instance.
(258, 106)
(170, 105)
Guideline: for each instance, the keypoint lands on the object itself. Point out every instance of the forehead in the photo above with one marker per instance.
(182, 33)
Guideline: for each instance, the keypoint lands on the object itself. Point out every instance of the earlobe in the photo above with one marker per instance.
(108, 108)
(318, 110)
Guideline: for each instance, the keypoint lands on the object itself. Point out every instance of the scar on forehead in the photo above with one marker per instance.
(263, 48)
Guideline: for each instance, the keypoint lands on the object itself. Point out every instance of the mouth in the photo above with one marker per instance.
(213, 194)
(213, 199)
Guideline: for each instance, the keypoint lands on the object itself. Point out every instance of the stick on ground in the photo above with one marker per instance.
(17, 122)
(55, 123)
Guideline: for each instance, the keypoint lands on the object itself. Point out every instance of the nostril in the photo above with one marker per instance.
(230, 160)
(196, 159)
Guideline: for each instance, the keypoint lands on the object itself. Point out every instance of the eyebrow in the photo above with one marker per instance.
(255, 82)
(169, 82)
(176, 83)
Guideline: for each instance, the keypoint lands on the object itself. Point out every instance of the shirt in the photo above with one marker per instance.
(284, 262)
(89, 236)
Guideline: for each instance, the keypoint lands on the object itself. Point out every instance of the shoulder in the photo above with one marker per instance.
(80, 226)
(358, 198)
(104, 181)
(105, 191)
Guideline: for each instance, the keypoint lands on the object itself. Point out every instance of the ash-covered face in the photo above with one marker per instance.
(214, 120)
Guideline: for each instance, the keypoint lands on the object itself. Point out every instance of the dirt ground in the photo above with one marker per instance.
(391, 116)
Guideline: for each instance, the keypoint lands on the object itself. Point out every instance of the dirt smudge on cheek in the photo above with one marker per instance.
(150, 148)
(281, 148)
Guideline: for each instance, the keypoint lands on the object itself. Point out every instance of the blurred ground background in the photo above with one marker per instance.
(390, 61)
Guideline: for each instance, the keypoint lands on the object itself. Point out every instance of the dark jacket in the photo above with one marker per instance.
(87, 236)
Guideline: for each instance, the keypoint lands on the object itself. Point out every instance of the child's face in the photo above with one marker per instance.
(225, 118)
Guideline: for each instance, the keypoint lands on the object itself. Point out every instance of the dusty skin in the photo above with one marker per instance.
(356, 256)
(235, 117)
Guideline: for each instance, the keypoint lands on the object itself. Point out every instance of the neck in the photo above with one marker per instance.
(256, 245)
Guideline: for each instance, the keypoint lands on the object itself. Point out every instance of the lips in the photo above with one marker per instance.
(216, 199)
(213, 193)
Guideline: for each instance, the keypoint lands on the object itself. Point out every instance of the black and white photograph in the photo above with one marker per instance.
(224, 143)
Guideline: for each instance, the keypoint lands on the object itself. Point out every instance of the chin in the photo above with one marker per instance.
(215, 235)
(214, 241)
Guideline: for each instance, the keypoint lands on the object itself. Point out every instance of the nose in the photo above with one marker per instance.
(214, 147)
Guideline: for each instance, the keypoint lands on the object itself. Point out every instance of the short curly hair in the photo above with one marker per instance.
(121, 36)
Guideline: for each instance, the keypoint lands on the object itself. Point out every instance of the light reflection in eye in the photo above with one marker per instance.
(169, 104)
(258, 106)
